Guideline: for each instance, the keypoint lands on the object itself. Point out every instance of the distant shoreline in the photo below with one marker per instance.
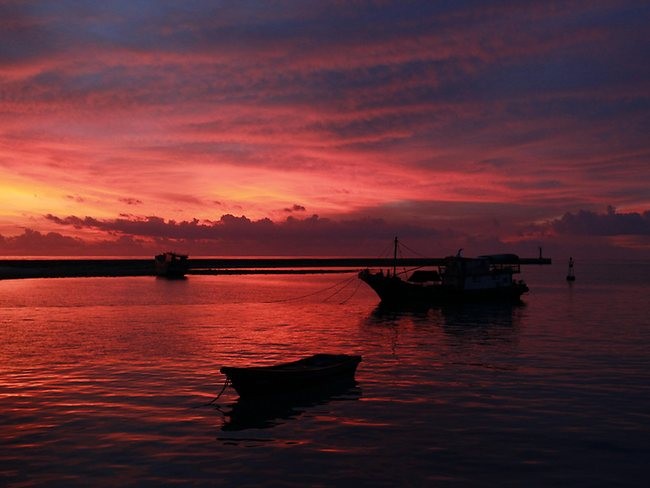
(70, 268)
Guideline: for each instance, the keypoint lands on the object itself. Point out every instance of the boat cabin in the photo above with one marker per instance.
(425, 276)
(484, 272)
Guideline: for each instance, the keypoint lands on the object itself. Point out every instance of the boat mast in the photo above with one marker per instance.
(395, 258)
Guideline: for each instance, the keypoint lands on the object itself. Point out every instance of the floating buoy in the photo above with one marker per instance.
(570, 274)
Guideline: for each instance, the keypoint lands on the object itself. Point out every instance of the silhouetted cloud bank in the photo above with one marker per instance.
(593, 233)
(611, 223)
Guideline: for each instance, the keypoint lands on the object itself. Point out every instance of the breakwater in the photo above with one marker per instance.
(63, 268)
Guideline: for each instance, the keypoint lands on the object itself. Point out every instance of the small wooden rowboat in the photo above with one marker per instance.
(307, 373)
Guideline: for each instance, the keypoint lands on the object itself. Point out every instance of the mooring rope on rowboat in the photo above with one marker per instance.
(225, 385)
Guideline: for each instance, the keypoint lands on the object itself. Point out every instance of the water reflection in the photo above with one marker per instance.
(267, 412)
(478, 323)
(384, 313)
(484, 336)
(451, 316)
(482, 315)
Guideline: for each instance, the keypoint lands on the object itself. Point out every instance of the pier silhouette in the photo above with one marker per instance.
(62, 268)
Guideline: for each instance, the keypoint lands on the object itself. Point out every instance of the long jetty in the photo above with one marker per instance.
(66, 268)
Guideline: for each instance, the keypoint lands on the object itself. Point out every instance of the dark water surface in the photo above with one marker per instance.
(104, 381)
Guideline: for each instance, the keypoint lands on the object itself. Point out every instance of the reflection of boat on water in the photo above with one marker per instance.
(464, 316)
(171, 265)
(456, 314)
(251, 413)
(310, 372)
(483, 324)
(488, 278)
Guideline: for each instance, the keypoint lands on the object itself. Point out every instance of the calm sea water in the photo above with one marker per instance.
(105, 381)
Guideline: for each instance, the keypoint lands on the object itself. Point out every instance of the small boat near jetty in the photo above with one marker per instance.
(484, 278)
(310, 372)
(171, 265)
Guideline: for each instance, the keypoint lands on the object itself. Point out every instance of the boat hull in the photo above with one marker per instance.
(394, 290)
(311, 372)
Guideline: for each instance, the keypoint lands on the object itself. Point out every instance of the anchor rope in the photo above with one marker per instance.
(339, 290)
(354, 292)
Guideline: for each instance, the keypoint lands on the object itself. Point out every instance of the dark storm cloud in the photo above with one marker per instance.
(611, 223)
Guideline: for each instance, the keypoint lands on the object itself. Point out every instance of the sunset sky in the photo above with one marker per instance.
(324, 127)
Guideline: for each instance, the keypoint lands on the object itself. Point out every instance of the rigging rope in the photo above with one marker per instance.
(412, 250)
(386, 251)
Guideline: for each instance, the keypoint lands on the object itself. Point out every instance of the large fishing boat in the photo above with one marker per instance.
(457, 278)
(171, 265)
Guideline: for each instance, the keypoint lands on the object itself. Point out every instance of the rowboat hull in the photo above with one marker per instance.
(307, 373)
